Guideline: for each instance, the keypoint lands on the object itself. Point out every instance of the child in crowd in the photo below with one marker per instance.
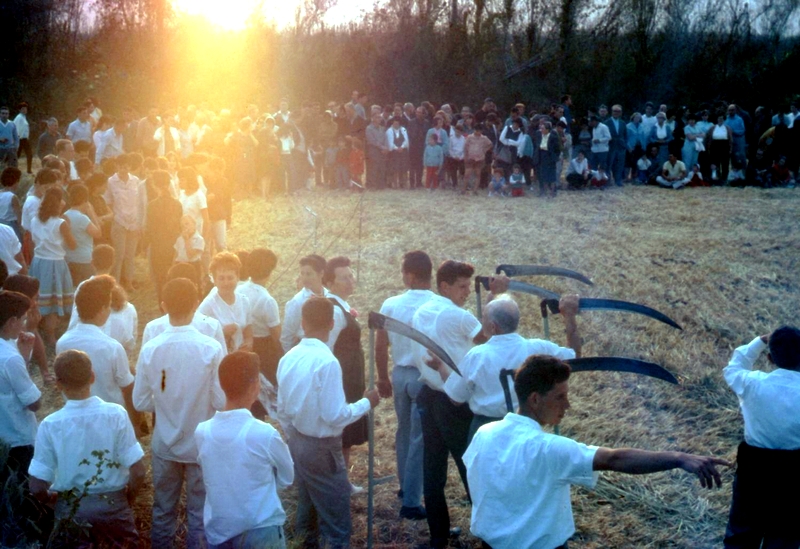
(176, 377)
(224, 303)
(433, 160)
(286, 146)
(498, 185)
(643, 165)
(193, 200)
(29, 287)
(189, 245)
(343, 163)
(599, 177)
(10, 206)
(102, 263)
(516, 181)
(696, 178)
(52, 236)
(123, 322)
(11, 251)
(780, 176)
(97, 183)
(85, 228)
(736, 177)
(219, 205)
(355, 164)
(264, 465)
(45, 179)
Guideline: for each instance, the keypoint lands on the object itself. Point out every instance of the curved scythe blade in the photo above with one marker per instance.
(378, 321)
(534, 270)
(621, 364)
(524, 287)
(598, 304)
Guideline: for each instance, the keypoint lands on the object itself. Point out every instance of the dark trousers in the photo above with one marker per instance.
(762, 513)
(23, 515)
(376, 168)
(415, 168)
(445, 430)
(25, 146)
(616, 162)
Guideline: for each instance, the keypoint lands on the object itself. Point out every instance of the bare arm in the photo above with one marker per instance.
(136, 480)
(568, 305)
(382, 363)
(642, 462)
(40, 489)
(34, 406)
(66, 232)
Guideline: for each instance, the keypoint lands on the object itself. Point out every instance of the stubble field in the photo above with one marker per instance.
(722, 262)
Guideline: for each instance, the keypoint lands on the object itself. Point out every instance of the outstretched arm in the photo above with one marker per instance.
(642, 462)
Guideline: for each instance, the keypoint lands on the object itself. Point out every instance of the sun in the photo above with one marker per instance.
(225, 14)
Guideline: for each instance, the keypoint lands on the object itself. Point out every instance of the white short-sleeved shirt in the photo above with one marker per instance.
(292, 330)
(10, 246)
(123, 325)
(768, 399)
(519, 479)
(264, 313)
(109, 361)
(452, 327)
(479, 383)
(202, 323)
(70, 435)
(17, 392)
(196, 242)
(7, 213)
(193, 205)
(241, 494)
(47, 238)
(402, 308)
(176, 377)
(78, 222)
(29, 210)
(237, 313)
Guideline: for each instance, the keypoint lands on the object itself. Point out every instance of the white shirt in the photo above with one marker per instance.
(241, 494)
(237, 313)
(310, 391)
(9, 248)
(339, 320)
(110, 145)
(768, 400)
(452, 327)
(70, 435)
(292, 330)
(17, 392)
(123, 325)
(47, 238)
(519, 479)
(603, 135)
(202, 323)
(30, 209)
(24, 129)
(193, 206)
(402, 307)
(391, 133)
(480, 384)
(264, 313)
(456, 145)
(176, 377)
(79, 131)
(109, 361)
(196, 242)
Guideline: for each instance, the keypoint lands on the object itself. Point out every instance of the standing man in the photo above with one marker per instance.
(122, 196)
(737, 126)
(9, 140)
(376, 153)
(618, 145)
(176, 377)
(24, 133)
(79, 129)
(312, 268)
(600, 139)
(417, 130)
(47, 141)
(112, 141)
(767, 460)
(312, 407)
(520, 475)
(397, 145)
(566, 104)
(445, 425)
(405, 383)
(145, 131)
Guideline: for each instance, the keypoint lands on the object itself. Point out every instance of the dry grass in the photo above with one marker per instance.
(722, 262)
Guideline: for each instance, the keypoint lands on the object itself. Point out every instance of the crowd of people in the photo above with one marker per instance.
(220, 360)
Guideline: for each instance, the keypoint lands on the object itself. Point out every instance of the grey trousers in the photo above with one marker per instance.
(323, 490)
(168, 479)
(408, 438)
(269, 537)
(110, 517)
(124, 243)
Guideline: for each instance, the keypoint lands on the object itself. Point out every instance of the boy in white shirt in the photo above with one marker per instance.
(176, 377)
(242, 508)
(65, 460)
(311, 269)
(189, 245)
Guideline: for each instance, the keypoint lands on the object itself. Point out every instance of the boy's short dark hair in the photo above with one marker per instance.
(539, 374)
(46, 176)
(329, 275)
(450, 271)
(15, 305)
(161, 179)
(10, 176)
(82, 147)
(260, 263)
(179, 296)
(237, 373)
(135, 161)
(317, 313)
(102, 257)
(78, 194)
(225, 260)
(23, 284)
(73, 369)
(94, 296)
(784, 347)
(109, 166)
(418, 264)
(316, 262)
(96, 180)
(84, 165)
(184, 270)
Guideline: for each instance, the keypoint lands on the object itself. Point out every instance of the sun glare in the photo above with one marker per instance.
(226, 14)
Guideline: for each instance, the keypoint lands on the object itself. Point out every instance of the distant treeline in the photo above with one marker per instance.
(55, 53)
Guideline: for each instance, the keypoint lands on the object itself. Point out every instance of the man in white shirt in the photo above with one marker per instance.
(311, 269)
(312, 408)
(404, 383)
(601, 137)
(479, 382)
(113, 381)
(673, 173)
(24, 133)
(242, 507)
(19, 397)
(445, 426)
(176, 377)
(80, 129)
(111, 145)
(768, 459)
(65, 460)
(122, 196)
(520, 476)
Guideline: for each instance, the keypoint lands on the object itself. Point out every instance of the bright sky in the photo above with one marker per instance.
(233, 14)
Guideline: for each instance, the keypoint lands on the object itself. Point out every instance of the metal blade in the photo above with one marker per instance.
(621, 364)
(378, 321)
(524, 287)
(545, 270)
(504, 375)
(597, 304)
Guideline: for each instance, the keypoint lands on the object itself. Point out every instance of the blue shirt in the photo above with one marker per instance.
(434, 156)
(9, 132)
(736, 124)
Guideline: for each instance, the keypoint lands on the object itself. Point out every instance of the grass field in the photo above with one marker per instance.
(722, 262)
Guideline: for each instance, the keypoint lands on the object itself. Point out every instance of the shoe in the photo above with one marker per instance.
(413, 513)
(455, 532)
(355, 490)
